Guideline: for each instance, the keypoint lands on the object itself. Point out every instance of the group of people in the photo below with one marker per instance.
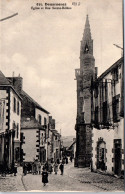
(48, 168)
(11, 169)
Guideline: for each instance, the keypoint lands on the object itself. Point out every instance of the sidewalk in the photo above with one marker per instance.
(84, 175)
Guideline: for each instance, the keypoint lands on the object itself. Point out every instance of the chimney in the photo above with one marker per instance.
(17, 83)
(53, 124)
(50, 120)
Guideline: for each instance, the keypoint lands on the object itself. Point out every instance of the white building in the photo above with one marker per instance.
(10, 116)
(108, 120)
(34, 125)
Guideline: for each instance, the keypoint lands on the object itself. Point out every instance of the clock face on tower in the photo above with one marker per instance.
(86, 50)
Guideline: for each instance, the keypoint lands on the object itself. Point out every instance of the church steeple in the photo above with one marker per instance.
(87, 32)
(87, 42)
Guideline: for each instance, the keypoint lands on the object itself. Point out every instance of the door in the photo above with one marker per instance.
(117, 165)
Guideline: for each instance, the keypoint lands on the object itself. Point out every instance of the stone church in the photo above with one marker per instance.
(84, 77)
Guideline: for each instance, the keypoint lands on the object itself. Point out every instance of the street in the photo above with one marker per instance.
(74, 179)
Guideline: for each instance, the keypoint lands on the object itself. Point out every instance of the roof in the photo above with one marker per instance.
(55, 132)
(87, 32)
(30, 123)
(24, 94)
(3, 80)
(111, 68)
(71, 145)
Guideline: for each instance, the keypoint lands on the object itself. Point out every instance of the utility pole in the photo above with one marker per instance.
(120, 48)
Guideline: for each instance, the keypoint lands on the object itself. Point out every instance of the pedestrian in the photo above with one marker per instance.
(15, 169)
(71, 158)
(46, 166)
(44, 176)
(58, 161)
(50, 168)
(61, 168)
(25, 169)
(55, 167)
(63, 160)
(39, 168)
(66, 160)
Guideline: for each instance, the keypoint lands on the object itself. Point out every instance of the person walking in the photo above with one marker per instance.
(39, 168)
(55, 167)
(50, 168)
(66, 160)
(71, 158)
(61, 168)
(44, 176)
(15, 169)
(25, 169)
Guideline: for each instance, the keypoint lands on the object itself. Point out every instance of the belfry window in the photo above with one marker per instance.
(86, 49)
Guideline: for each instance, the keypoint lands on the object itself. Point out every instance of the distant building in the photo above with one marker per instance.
(84, 75)
(55, 141)
(33, 140)
(10, 116)
(71, 150)
(108, 120)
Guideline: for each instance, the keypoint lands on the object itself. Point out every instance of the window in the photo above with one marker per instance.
(96, 114)
(115, 74)
(18, 108)
(105, 112)
(44, 121)
(39, 119)
(17, 133)
(14, 125)
(115, 108)
(14, 104)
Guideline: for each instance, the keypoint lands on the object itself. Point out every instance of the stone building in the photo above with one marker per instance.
(33, 145)
(84, 75)
(55, 141)
(32, 114)
(10, 116)
(108, 120)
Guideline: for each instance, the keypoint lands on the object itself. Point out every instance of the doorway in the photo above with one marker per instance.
(117, 156)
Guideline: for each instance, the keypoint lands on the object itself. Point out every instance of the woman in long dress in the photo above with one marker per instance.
(44, 176)
(55, 167)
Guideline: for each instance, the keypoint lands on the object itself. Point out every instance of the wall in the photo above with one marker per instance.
(29, 145)
(108, 136)
(14, 117)
(4, 120)
(43, 115)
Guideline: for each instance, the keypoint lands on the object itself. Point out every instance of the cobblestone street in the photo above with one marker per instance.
(12, 183)
(74, 179)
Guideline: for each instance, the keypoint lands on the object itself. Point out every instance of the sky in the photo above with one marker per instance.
(43, 46)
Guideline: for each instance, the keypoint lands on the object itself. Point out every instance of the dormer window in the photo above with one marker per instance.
(115, 74)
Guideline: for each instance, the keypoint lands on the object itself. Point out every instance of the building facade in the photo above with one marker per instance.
(32, 112)
(54, 142)
(10, 118)
(84, 75)
(33, 145)
(108, 120)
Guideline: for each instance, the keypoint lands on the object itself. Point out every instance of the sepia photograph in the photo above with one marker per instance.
(61, 96)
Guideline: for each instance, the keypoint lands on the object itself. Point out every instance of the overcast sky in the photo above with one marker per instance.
(43, 46)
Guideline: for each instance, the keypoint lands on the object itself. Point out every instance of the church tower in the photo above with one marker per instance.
(84, 76)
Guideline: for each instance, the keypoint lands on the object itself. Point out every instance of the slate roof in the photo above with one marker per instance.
(24, 94)
(117, 63)
(3, 80)
(30, 123)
